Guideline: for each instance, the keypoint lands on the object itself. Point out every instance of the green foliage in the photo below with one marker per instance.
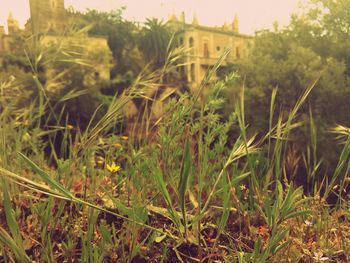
(311, 48)
(121, 38)
(183, 182)
(193, 185)
(181, 186)
(15, 242)
(154, 42)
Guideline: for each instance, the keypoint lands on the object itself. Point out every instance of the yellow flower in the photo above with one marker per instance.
(125, 138)
(100, 160)
(242, 187)
(117, 145)
(113, 168)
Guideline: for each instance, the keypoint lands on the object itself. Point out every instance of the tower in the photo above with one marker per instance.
(2, 33)
(235, 24)
(12, 25)
(182, 18)
(47, 16)
(195, 20)
(173, 17)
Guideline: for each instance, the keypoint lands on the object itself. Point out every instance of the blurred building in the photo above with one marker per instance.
(50, 22)
(2, 39)
(5, 38)
(47, 16)
(12, 25)
(207, 44)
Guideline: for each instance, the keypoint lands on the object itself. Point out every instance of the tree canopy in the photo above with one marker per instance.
(314, 47)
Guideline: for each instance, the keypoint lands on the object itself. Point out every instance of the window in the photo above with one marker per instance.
(182, 70)
(193, 74)
(191, 44)
(51, 26)
(181, 40)
(206, 50)
(238, 54)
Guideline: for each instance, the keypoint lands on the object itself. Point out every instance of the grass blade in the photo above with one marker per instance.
(47, 178)
(184, 176)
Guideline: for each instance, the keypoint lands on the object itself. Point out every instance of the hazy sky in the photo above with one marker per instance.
(252, 14)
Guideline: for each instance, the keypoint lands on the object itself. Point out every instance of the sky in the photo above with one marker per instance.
(253, 14)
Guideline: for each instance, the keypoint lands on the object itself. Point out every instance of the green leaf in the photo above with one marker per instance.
(283, 245)
(47, 178)
(237, 179)
(106, 235)
(165, 193)
(8, 241)
(184, 176)
(159, 238)
(297, 214)
(10, 218)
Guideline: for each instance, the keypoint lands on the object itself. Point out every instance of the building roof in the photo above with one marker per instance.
(220, 30)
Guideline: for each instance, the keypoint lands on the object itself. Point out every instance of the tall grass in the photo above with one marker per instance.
(186, 187)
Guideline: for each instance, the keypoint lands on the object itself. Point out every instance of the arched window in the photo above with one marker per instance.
(191, 45)
(238, 53)
(191, 42)
(193, 73)
(206, 50)
(181, 40)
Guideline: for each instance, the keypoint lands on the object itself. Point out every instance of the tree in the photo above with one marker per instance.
(154, 41)
(325, 27)
(122, 38)
(314, 46)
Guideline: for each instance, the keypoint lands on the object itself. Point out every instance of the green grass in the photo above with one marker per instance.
(188, 190)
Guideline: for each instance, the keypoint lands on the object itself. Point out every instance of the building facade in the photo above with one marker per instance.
(5, 38)
(207, 44)
(2, 39)
(47, 16)
(49, 21)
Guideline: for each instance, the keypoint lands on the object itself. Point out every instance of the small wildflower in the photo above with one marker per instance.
(319, 256)
(26, 137)
(124, 138)
(100, 160)
(108, 202)
(308, 222)
(101, 141)
(263, 231)
(117, 145)
(242, 187)
(113, 168)
(69, 126)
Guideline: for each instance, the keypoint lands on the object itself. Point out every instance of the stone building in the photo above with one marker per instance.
(5, 39)
(207, 44)
(2, 39)
(49, 21)
(12, 24)
(47, 16)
